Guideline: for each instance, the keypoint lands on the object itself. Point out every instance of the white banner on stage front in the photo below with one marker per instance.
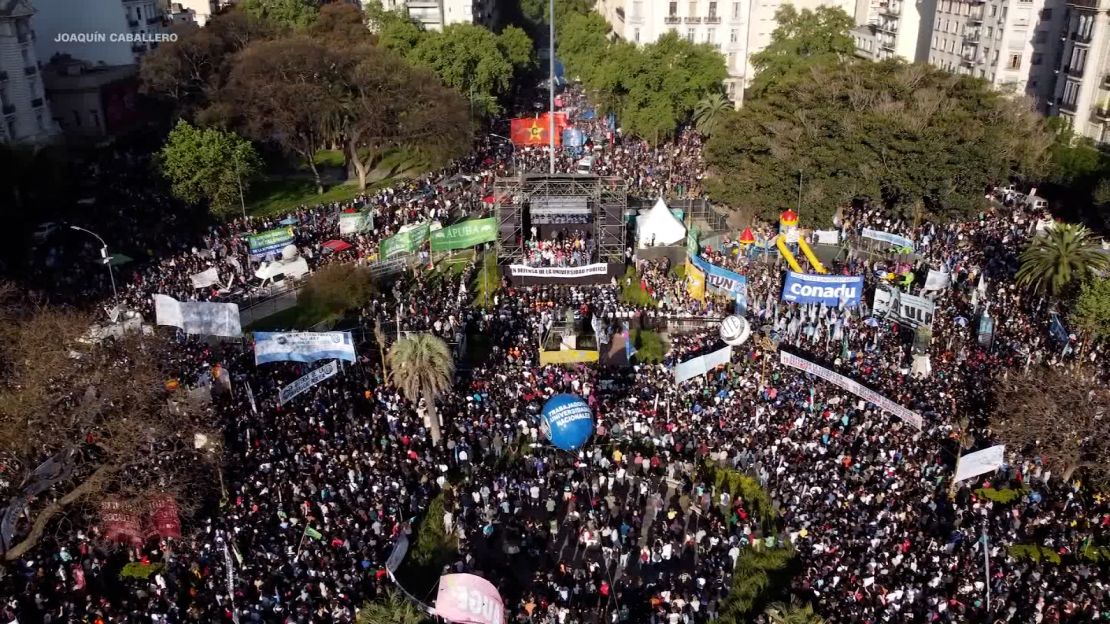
(852, 386)
(521, 270)
(200, 318)
(288, 393)
(980, 462)
(827, 237)
(702, 365)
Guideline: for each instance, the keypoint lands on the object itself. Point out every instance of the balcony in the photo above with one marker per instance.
(30, 70)
(886, 45)
(1085, 4)
(1105, 82)
(1080, 38)
(1074, 71)
(133, 23)
(1101, 113)
(1065, 105)
(975, 17)
(25, 37)
(8, 109)
(36, 103)
(154, 20)
(971, 36)
(713, 19)
(672, 19)
(693, 20)
(891, 9)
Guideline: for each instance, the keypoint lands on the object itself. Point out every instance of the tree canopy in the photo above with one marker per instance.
(801, 40)
(921, 142)
(1091, 312)
(1059, 259)
(294, 14)
(208, 165)
(96, 408)
(654, 88)
(422, 366)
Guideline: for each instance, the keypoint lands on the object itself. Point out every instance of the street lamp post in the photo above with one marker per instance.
(239, 179)
(107, 259)
(551, 83)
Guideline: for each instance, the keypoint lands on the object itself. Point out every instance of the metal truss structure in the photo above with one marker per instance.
(606, 197)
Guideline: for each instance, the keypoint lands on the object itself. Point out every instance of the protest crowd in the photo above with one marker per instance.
(633, 527)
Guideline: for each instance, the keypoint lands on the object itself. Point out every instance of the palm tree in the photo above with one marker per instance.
(1061, 257)
(394, 609)
(709, 112)
(793, 613)
(422, 366)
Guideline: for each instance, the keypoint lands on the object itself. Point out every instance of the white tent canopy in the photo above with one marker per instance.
(659, 226)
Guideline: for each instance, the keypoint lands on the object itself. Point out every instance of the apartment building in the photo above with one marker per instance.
(196, 12)
(893, 29)
(1082, 92)
(23, 107)
(737, 28)
(108, 32)
(1008, 43)
(435, 14)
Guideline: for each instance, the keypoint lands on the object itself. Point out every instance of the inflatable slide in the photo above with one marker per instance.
(780, 242)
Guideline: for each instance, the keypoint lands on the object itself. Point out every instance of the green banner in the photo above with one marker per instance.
(465, 234)
(270, 240)
(692, 241)
(405, 242)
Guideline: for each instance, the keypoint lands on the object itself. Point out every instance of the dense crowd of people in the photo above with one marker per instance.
(632, 528)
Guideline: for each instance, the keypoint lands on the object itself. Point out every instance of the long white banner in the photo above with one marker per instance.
(852, 386)
(521, 270)
(302, 346)
(201, 318)
(980, 462)
(702, 365)
(288, 393)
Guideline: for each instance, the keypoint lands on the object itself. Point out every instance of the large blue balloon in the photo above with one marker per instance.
(567, 421)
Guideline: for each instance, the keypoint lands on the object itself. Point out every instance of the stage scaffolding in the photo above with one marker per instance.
(606, 197)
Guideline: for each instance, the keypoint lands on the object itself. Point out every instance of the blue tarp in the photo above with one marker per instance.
(589, 114)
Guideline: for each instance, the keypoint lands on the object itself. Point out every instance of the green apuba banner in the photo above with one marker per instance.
(465, 234)
(406, 242)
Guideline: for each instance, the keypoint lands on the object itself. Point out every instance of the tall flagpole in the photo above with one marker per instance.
(551, 83)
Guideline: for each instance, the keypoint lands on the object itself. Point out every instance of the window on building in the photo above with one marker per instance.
(95, 116)
(1046, 14)
(637, 9)
(994, 10)
(693, 8)
(731, 60)
(735, 10)
(673, 9)
(690, 35)
(1037, 58)
(1015, 61)
(990, 32)
(713, 9)
(636, 34)
(11, 129)
(138, 13)
(1040, 36)
(42, 124)
(732, 89)
(732, 36)
(26, 57)
(709, 35)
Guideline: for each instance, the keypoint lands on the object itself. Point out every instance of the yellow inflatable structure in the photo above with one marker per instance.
(788, 227)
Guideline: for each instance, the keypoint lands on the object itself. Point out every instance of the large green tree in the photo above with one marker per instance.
(710, 113)
(1060, 258)
(919, 141)
(1091, 311)
(294, 14)
(473, 60)
(394, 30)
(393, 609)
(208, 165)
(422, 366)
(801, 40)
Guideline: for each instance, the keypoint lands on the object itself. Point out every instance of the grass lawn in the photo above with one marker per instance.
(650, 346)
(632, 294)
(295, 317)
(329, 158)
(278, 197)
(486, 281)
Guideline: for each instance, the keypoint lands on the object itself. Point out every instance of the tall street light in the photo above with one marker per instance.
(105, 258)
(551, 83)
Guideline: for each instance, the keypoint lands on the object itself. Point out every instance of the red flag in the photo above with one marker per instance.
(532, 131)
(164, 519)
(120, 522)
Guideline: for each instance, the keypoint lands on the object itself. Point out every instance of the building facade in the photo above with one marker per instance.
(894, 29)
(108, 32)
(196, 12)
(1082, 94)
(737, 28)
(24, 110)
(435, 14)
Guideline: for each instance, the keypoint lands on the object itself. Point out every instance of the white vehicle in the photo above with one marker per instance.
(586, 165)
(1036, 203)
(279, 270)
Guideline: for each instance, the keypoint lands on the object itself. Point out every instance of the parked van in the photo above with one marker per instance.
(586, 165)
(1036, 203)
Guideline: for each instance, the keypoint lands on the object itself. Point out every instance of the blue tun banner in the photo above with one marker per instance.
(831, 290)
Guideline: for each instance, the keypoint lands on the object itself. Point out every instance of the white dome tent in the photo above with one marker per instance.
(659, 227)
